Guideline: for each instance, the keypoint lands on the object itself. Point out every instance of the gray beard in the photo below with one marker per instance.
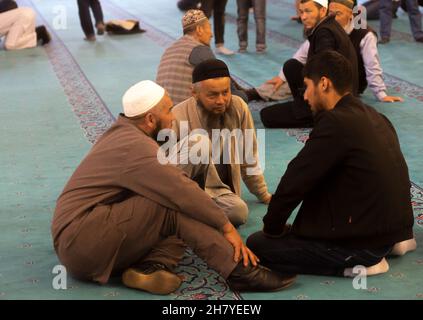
(213, 121)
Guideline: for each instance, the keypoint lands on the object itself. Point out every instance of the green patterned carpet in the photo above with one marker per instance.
(55, 101)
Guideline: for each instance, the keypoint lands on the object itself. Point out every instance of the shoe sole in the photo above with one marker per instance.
(159, 282)
(284, 286)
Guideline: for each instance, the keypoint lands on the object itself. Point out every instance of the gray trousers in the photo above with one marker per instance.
(414, 15)
(114, 237)
(260, 18)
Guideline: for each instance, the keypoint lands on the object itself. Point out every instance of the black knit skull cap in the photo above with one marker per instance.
(210, 69)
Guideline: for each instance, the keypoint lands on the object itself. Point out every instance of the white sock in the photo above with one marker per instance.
(401, 248)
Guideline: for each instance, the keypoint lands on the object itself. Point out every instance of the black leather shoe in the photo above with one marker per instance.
(151, 277)
(258, 279)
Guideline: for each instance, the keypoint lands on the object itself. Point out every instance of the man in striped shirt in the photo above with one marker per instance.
(178, 61)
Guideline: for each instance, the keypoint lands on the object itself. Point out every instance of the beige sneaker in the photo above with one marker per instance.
(153, 278)
(225, 51)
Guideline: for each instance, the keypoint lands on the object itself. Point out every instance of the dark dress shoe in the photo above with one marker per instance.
(258, 279)
(152, 277)
(186, 5)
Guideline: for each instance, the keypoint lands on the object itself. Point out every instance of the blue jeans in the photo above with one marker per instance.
(260, 18)
(414, 15)
(292, 254)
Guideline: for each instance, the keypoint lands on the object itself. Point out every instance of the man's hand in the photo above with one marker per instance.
(240, 249)
(276, 81)
(266, 198)
(392, 99)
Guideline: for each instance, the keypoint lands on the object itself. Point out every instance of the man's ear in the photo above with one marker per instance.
(194, 92)
(199, 30)
(325, 82)
(150, 120)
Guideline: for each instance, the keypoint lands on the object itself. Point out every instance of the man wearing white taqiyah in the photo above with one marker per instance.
(123, 212)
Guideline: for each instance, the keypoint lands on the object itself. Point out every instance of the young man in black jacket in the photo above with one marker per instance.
(351, 178)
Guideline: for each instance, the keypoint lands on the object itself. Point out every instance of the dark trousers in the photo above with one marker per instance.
(292, 254)
(85, 16)
(217, 8)
(112, 238)
(292, 114)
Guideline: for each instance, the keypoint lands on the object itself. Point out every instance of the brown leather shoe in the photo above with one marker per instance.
(260, 278)
(153, 278)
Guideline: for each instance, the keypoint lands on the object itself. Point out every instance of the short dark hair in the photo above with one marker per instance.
(332, 65)
(318, 5)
